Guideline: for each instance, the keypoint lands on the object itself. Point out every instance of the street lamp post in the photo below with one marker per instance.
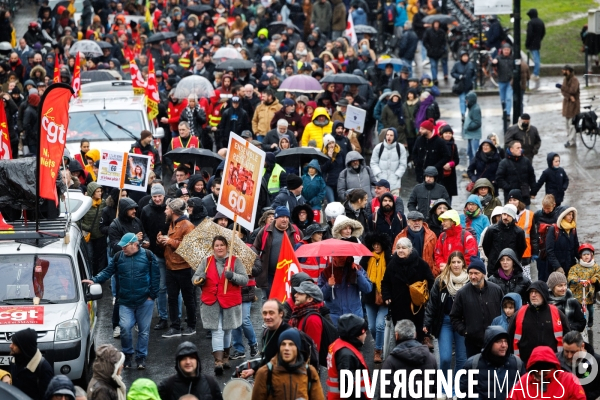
(517, 96)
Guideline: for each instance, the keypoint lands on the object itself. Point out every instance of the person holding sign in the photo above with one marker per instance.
(221, 276)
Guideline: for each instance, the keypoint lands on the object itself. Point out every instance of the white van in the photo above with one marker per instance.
(110, 116)
(65, 319)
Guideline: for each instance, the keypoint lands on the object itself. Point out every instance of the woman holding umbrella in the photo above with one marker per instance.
(405, 269)
(381, 247)
(221, 277)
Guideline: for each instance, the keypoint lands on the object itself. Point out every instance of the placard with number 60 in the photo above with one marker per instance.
(241, 181)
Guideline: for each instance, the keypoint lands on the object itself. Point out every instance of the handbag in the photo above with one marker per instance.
(419, 294)
(471, 184)
(458, 86)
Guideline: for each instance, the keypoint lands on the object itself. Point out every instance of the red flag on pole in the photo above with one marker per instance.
(5, 149)
(287, 265)
(54, 122)
(56, 78)
(137, 80)
(152, 98)
(77, 77)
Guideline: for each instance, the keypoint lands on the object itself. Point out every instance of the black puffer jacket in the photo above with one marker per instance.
(423, 194)
(517, 283)
(485, 165)
(435, 43)
(109, 213)
(555, 179)
(505, 67)
(430, 152)
(514, 171)
(123, 224)
(409, 355)
(536, 30)
(562, 247)
(499, 237)
(154, 221)
(467, 71)
(204, 387)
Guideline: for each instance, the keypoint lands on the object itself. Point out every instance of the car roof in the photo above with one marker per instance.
(108, 101)
(107, 86)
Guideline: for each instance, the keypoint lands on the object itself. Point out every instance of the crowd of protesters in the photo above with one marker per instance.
(459, 275)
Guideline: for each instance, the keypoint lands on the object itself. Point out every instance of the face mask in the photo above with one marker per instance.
(252, 28)
(524, 126)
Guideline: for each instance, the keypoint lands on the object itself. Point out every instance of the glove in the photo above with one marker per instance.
(228, 275)
(559, 85)
(460, 77)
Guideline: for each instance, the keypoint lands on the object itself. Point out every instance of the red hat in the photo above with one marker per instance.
(428, 124)
(210, 29)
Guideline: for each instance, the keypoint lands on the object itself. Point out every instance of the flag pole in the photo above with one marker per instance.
(228, 266)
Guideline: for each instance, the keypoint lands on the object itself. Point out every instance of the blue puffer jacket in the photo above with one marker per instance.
(313, 188)
(137, 277)
(344, 298)
(479, 223)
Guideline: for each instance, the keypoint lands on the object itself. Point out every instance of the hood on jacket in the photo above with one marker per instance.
(219, 215)
(488, 141)
(193, 179)
(510, 253)
(514, 297)
(342, 222)
(91, 188)
(320, 111)
(314, 164)
(550, 158)
(473, 198)
(435, 205)
(532, 13)
(94, 154)
(35, 69)
(385, 143)
(542, 354)
(75, 166)
(199, 211)
(107, 362)
(59, 382)
(220, 168)
(353, 156)
(492, 334)
(411, 352)
(351, 326)
(310, 216)
(126, 204)
(187, 349)
(26, 340)
(383, 239)
(541, 287)
(471, 99)
(335, 125)
(390, 196)
(143, 389)
(564, 213)
(483, 182)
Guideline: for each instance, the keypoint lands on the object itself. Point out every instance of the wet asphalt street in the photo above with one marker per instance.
(544, 106)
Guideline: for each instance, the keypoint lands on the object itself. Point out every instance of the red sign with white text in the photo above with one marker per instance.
(54, 121)
(16, 315)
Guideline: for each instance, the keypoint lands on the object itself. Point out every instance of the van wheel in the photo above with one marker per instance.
(86, 374)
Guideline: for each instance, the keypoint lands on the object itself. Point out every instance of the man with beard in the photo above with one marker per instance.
(263, 115)
(475, 307)
(422, 238)
(250, 99)
(288, 113)
(386, 219)
(29, 369)
(274, 136)
(503, 235)
(570, 106)
(189, 379)
(572, 344)
(537, 324)
(144, 146)
(306, 315)
(16, 66)
(424, 194)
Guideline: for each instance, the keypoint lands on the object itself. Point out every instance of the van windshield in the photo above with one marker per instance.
(49, 277)
(105, 125)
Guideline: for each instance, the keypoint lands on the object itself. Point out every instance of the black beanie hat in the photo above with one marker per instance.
(293, 181)
(26, 340)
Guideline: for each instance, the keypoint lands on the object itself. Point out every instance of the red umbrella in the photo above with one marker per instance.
(333, 248)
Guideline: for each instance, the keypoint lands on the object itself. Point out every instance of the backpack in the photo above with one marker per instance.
(476, 357)
(433, 111)
(397, 150)
(542, 232)
(328, 335)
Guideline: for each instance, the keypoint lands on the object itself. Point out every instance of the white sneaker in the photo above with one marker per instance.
(535, 78)
(114, 299)
(117, 332)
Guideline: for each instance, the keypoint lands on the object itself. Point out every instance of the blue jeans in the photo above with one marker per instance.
(472, 146)
(536, 62)
(506, 95)
(376, 316)
(260, 138)
(221, 339)
(246, 329)
(434, 67)
(330, 194)
(462, 101)
(161, 300)
(128, 317)
(445, 339)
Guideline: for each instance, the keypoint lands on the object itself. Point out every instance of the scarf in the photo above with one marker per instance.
(376, 269)
(473, 214)
(302, 310)
(455, 283)
(291, 368)
(96, 203)
(121, 389)
(397, 110)
(485, 200)
(588, 264)
(567, 226)
(503, 275)
(417, 239)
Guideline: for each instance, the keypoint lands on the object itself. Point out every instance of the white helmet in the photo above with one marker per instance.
(334, 210)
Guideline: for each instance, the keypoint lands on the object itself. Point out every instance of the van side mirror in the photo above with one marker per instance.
(159, 134)
(94, 292)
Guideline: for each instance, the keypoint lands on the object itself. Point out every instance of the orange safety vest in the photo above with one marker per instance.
(556, 326)
(177, 143)
(213, 289)
(333, 379)
(525, 222)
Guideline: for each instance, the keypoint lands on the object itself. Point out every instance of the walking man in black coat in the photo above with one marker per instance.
(536, 30)
(516, 172)
(429, 150)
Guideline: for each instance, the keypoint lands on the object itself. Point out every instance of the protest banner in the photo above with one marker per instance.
(123, 170)
(241, 181)
(355, 119)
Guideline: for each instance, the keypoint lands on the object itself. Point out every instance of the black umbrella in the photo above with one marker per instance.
(345, 79)
(298, 156)
(198, 157)
(161, 36)
(105, 45)
(9, 392)
(96, 76)
(235, 64)
(200, 9)
(442, 18)
(365, 29)
(280, 26)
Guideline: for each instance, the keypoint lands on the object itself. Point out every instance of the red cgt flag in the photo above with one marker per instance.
(77, 77)
(56, 77)
(137, 80)
(5, 149)
(287, 265)
(54, 122)
(152, 99)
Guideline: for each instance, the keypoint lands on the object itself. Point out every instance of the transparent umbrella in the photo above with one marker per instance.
(227, 53)
(88, 47)
(195, 84)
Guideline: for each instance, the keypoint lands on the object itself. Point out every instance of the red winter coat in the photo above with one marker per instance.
(560, 384)
(452, 240)
(175, 111)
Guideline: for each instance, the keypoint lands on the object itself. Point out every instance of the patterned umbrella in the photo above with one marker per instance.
(197, 245)
(301, 84)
